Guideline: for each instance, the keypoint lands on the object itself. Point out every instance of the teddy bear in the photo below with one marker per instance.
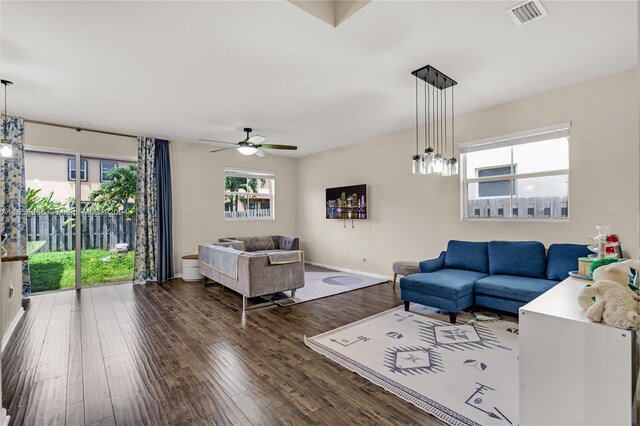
(615, 303)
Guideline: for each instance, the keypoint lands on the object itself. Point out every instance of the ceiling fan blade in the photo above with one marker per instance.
(211, 140)
(272, 146)
(256, 139)
(221, 149)
(260, 153)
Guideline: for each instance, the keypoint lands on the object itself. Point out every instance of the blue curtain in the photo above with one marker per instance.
(13, 199)
(145, 266)
(163, 200)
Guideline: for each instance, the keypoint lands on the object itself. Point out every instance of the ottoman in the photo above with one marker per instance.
(403, 268)
(447, 289)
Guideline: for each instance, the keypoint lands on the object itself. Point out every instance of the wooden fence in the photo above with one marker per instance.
(253, 214)
(99, 231)
(534, 207)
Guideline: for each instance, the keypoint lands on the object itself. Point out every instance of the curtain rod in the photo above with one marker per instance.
(79, 129)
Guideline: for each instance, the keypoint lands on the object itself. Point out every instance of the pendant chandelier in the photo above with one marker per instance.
(6, 150)
(438, 157)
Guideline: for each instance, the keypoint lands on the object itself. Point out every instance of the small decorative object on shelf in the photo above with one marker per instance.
(439, 127)
(606, 244)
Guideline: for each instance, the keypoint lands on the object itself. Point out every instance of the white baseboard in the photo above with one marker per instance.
(351, 271)
(11, 328)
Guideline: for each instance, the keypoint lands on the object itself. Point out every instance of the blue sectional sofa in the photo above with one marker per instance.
(502, 275)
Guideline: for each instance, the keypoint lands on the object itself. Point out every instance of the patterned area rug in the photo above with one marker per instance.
(464, 374)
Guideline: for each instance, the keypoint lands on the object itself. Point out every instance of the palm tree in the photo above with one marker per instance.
(117, 192)
(235, 184)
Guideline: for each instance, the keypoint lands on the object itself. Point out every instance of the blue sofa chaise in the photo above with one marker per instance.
(502, 275)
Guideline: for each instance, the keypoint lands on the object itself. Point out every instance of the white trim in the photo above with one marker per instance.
(516, 135)
(351, 271)
(516, 220)
(499, 178)
(12, 327)
(252, 173)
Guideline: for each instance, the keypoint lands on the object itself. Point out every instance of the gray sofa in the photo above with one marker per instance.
(254, 266)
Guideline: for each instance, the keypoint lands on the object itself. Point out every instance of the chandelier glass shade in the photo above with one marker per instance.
(437, 132)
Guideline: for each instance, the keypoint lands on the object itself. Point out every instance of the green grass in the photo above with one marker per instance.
(56, 270)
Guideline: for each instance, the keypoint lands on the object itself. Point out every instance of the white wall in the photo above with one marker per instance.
(413, 217)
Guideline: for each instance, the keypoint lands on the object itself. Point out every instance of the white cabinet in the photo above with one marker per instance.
(574, 371)
(10, 298)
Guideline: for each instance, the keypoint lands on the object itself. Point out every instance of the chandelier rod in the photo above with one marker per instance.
(417, 136)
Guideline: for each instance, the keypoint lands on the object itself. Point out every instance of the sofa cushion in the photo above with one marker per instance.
(257, 243)
(521, 258)
(238, 245)
(563, 258)
(467, 255)
(447, 283)
(512, 287)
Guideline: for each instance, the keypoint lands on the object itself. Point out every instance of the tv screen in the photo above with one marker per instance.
(347, 202)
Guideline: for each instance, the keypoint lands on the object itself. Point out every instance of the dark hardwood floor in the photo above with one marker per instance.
(182, 353)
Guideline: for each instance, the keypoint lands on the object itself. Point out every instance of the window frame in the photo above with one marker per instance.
(102, 173)
(86, 169)
(512, 177)
(249, 173)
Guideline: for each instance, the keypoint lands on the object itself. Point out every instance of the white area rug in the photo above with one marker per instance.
(322, 284)
(464, 374)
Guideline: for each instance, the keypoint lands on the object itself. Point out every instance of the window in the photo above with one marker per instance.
(498, 188)
(71, 169)
(248, 194)
(105, 168)
(519, 176)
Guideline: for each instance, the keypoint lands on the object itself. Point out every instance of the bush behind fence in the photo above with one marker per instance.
(99, 231)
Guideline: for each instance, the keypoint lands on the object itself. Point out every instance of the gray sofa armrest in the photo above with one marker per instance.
(432, 265)
(288, 243)
(258, 277)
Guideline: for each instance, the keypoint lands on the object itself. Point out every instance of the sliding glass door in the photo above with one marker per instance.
(81, 226)
(106, 214)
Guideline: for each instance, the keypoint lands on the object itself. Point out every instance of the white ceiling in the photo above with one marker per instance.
(189, 70)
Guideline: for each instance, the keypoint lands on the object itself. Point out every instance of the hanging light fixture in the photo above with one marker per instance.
(6, 150)
(439, 131)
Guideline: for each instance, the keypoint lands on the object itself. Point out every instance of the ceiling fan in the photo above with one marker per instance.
(250, 145)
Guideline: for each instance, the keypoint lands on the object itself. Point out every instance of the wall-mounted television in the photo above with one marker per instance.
(346, 202)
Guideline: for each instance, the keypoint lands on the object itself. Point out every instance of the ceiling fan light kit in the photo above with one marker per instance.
(246, 149)
(438, 157)
(251, 145)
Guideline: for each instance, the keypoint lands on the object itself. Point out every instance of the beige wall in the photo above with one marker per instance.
(38, 135)
(198, 184)
(413, 217)
(198, 196)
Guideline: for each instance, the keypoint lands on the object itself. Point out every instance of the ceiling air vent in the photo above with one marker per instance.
(526, 12)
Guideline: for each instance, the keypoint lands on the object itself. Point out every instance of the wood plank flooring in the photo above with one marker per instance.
(182, 353)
